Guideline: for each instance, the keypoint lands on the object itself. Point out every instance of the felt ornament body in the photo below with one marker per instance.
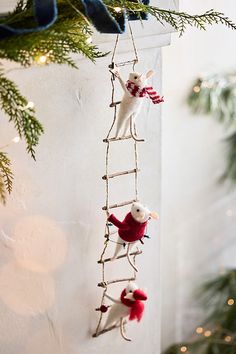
(130, 304)
(132, 228)
(135, 90)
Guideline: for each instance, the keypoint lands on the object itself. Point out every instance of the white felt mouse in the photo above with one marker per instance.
(132, 228)
(135, 90)
(129, 304)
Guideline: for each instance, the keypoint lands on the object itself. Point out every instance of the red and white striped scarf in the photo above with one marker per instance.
(137, 91)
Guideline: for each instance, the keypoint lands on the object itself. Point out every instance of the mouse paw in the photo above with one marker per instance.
(115, 72)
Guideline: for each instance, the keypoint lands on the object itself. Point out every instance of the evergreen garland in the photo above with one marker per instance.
(217, 335)
(178, 20)
(69, 34)
(216, 96)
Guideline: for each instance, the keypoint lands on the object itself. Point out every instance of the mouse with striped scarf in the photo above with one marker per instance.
(135, 90)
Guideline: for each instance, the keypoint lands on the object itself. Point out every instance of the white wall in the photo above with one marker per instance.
(197, 235)
(48, 269)
(49, 272)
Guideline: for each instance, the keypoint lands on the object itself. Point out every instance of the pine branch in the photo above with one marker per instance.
(230, 169)
(68, 35)
(6, 176)
(215, 95)
(14, 105)
(178, 20)
(219, 300)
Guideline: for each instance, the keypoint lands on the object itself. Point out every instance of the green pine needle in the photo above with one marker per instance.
(230, 171)
(178, 20)
(14, 105)
(215, 96)
(6, 176)
(68, 35)
(220, 319)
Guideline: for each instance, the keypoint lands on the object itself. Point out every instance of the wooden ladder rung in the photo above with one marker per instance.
(117, 325)
(105, 330)
(113, 104)
(119, 205)
(123, 63)
(136, 253)
(104, 284)
(111, 233)
(107, 140)
(135, 170)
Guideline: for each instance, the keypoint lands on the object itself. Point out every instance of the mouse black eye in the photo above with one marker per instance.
(135, 77)
(130, 291)
(137, 210)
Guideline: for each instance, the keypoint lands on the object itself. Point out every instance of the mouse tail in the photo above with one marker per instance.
(133, 132)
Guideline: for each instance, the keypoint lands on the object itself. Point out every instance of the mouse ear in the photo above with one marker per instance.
(150, 73)
(154, 215)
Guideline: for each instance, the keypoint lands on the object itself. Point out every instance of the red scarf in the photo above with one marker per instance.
(136, 307)
(137, 91)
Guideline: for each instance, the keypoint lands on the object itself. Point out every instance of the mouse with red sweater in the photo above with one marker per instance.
(130, 304)
(132, 228)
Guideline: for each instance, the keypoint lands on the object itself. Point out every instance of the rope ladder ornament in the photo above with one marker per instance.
(108, 233)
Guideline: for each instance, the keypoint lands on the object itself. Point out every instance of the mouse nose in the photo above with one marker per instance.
(139, 295)
(141, 77)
